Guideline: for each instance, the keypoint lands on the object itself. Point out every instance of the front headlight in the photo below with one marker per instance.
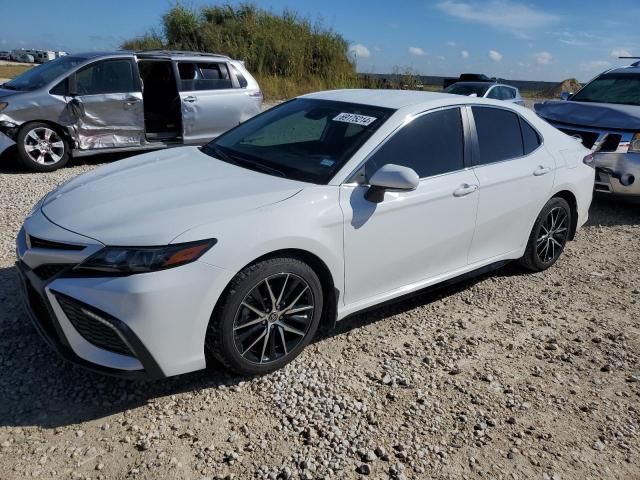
(3, 105)
(634, 144)
(130, 260)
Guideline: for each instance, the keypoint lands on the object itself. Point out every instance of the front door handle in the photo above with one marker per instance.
(131, 101)
(464, 190)
(190, 99)
(541, 171)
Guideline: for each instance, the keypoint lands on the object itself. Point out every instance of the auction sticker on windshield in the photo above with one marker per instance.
(363, 120)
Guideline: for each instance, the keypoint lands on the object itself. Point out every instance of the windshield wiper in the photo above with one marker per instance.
(244, 162)
(6, 86)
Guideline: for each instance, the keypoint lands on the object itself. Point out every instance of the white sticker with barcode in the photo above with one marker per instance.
(363, 120)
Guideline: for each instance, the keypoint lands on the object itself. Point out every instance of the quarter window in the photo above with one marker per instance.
(431, 144)
(241, 80)
(530, 137)
(499, 134)
(203, 76)
(109, 76)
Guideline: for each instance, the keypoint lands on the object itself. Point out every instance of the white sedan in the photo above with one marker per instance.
(314, 210)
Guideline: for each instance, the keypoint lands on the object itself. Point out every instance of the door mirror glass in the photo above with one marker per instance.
(391, 177)
(565, 95)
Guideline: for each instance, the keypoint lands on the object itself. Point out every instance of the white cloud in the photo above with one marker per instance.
(441, 57)
(594, 65)
(543, 58)
(495, 56)
(359, 50)
(451, 43)
(501, 14)
(464, 54)
(417, 51)
(574, 43)
(620, 52)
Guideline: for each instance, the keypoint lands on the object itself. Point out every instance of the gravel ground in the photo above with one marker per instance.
(511, 375)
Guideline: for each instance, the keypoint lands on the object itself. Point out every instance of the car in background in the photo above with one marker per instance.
(495, 91)
(468, 77)
(94, 102)
(23, 57)
(604, 116)
(5, 55)
(318, 208)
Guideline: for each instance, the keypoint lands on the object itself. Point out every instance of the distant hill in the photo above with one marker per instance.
(570, 85)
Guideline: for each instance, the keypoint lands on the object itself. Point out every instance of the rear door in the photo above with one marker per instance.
(212, 100)
(516, 175)
(107, 104)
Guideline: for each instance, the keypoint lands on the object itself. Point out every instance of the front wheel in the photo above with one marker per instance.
(41, 147)
(267, 315)
(548, 236)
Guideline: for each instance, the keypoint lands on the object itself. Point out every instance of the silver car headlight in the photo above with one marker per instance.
(130, 260)
(634, 144)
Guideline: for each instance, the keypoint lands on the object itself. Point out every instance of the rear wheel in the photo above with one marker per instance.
(269, 313)
(41, 147)
(548, 236)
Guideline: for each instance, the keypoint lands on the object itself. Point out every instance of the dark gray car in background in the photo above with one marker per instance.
(122, 101)
(605, 117)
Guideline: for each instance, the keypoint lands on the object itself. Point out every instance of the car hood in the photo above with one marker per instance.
(599, 115)
(5, 92)
(152, 198)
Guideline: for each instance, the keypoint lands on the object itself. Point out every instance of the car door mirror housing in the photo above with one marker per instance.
(391, 177)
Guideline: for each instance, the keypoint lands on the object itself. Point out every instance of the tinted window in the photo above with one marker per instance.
(508, 93)
(499, 134)
(110, 76)
(203, 76)
(241, 80)
(494, 93)
(431, 145)
(622, 88)
(60, 88)
(530, 137)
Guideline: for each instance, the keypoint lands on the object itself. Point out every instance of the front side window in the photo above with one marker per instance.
(203, 76)
(431, 144)
(617, 88)
(499, 136)
(304, 139)
(108, 76)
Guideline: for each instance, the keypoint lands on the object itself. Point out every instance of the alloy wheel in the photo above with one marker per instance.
(552, 235)
(44, 146)
(273, 318)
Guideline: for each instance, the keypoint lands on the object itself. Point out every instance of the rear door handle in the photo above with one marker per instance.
(541, 171)
(464, 189)
(190, 99)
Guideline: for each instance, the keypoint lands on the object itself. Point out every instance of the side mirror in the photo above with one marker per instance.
(565, 95)
(391, 177)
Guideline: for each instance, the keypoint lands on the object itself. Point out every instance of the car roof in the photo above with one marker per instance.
(631, 69)
(174, 54)
(381, 98)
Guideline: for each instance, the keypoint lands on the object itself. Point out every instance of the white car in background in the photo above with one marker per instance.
(491, 90)
(316, 209)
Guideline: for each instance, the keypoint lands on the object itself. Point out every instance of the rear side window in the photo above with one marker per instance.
(530, 137)
(499, 134)
(431, 144)
(109, 76)
(241, 80)
(508, 93)
(203, 76)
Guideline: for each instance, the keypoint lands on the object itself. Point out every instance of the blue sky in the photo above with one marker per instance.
(543, 40)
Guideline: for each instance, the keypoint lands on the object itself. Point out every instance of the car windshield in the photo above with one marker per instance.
(304, 139)
(44, 74)
(461, 89)
(613, 88)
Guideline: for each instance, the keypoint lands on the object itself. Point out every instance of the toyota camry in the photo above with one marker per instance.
(242, 250)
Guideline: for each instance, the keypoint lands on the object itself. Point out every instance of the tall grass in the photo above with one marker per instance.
(287, 53)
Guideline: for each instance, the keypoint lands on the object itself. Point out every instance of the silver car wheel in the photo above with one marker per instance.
(273, 318)
(552, 235)
(44, 146)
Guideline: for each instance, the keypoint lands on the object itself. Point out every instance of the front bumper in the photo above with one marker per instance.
(618, 173)
(155, 323)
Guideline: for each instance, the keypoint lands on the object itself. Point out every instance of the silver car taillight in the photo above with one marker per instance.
(590, 160)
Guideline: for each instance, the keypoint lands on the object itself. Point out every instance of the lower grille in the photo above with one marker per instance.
(610, 143)
(45, 272)
(40, 311)
(94, 326)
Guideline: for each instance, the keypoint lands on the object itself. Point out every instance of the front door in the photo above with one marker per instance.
(411, 236)
(516, 175)
(212, 102)
(107, 105)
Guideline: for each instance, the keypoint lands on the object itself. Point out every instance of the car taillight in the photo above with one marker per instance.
(634, 144)
(590, 160)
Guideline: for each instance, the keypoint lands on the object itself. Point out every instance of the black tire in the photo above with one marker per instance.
(55, 153)
(231, 315)
(544, 248)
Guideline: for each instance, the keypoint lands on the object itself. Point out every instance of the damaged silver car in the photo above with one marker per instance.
(605, 117)
(123, 101)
